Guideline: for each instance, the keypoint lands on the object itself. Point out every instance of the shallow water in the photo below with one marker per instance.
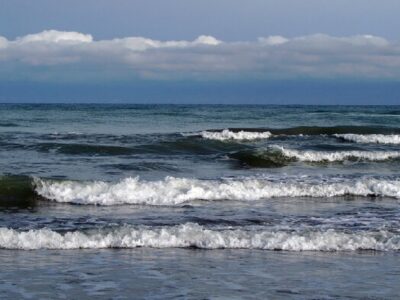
(167, 201)
(194, 274)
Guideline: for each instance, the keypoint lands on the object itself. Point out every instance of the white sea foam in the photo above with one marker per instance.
(175, 191)
(371, 138)
(320, 156)
(194, 235)
(227, 134)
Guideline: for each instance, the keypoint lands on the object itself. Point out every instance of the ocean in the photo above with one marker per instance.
(119, 201)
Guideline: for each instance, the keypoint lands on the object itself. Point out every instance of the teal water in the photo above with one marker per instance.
(160, 191)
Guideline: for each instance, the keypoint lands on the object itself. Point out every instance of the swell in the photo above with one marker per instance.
(176, 147)
(178, 191)
(192, 235)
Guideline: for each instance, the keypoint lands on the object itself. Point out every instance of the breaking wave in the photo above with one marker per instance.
(385, 135)
(311, 130)
(325, 156)
(176, 191)
(192, 235)
(370, 138)
(277, 156)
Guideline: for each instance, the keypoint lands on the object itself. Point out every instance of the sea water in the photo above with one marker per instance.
(199, 201)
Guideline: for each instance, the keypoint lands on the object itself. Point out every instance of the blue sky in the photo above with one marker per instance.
(228, 51)
(230, 20)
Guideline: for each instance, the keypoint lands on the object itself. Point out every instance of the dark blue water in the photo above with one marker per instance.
(166, 201)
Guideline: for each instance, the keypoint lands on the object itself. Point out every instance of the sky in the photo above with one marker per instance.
(208, 51)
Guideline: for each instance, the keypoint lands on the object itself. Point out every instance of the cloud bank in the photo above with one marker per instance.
(52, 54)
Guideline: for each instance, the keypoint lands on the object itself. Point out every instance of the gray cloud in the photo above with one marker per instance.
(57, 54)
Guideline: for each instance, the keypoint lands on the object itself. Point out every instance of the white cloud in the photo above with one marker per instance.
(142, 44)
(206, 40)
(54, 36)
(319, 55)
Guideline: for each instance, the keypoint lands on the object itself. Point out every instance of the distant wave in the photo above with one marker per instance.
(177, 191)
(192, 235)
(227, 134)
(370, 138)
